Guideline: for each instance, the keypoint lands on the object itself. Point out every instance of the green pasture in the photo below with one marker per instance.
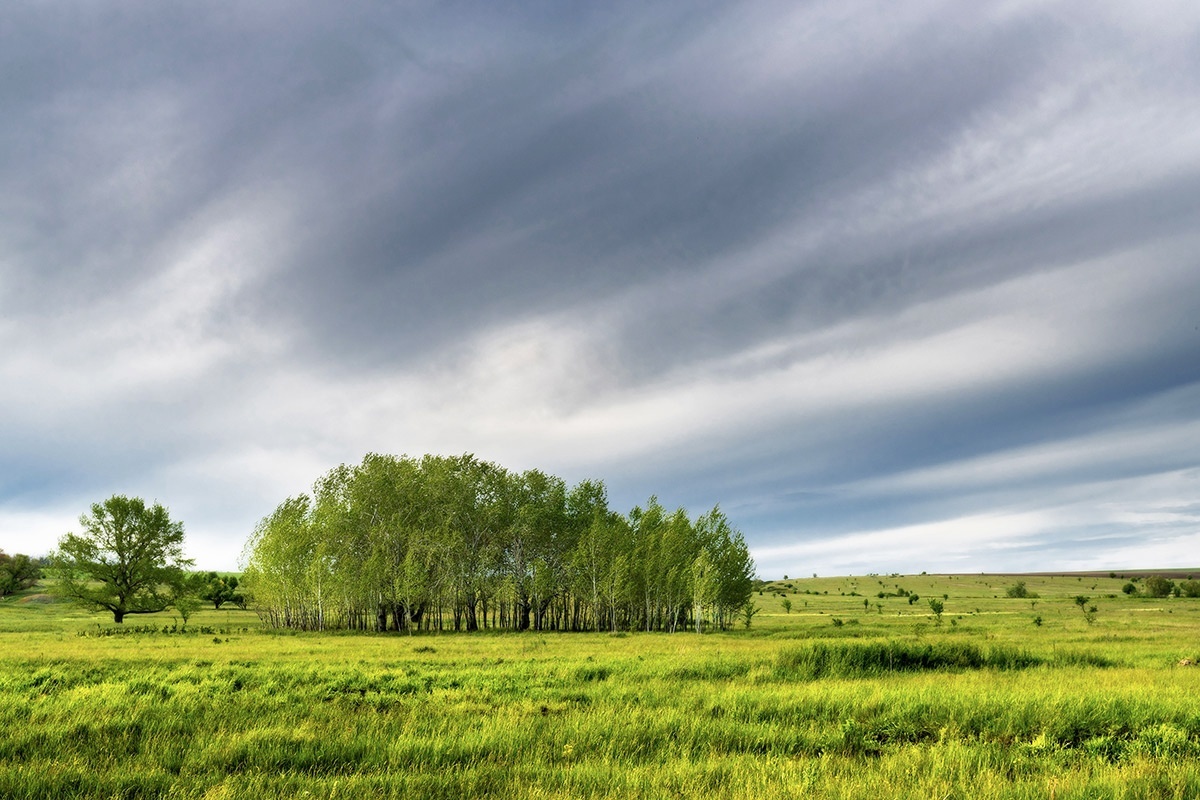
(833, 699)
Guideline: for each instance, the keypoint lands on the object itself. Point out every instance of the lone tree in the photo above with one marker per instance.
(220, 589)
(937, 607)
(128, 560)
(1089, 612)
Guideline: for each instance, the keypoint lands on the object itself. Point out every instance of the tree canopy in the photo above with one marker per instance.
(17, 572)
(400, 543)
(128, 559)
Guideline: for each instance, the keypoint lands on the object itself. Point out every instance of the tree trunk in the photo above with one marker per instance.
(523, 616)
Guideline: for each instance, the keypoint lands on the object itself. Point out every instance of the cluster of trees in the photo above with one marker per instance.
(1159, 586)
(17, 572)
(397, 543)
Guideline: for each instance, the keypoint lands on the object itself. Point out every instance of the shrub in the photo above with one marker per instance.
(17, 572)
(1089, 612)
(1129, 588)
(1158, 586)
(1190, 588)
(1018, 590)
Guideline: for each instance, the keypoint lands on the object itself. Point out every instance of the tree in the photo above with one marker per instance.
(187, 594)
(17, 572)
(1089, 612)
(937, 607)
(703, 586)
(128, 560)
(219, 590)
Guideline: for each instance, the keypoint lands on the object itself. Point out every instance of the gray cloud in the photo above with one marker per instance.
(819, 263)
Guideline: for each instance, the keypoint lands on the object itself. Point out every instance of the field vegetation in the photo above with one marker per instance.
(839, 688)
(440, 542)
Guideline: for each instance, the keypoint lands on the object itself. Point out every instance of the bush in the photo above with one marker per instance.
(1129, 588)
(1158, 586)
(1018, 590)
(17, 572)
(1190, 588)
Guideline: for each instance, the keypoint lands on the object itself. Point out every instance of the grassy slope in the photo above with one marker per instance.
(229, 710)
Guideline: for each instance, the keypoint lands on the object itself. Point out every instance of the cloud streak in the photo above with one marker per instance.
(901, 287)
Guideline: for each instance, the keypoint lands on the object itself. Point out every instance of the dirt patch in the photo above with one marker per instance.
(39, 599)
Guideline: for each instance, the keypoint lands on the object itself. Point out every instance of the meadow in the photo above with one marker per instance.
(845, 695)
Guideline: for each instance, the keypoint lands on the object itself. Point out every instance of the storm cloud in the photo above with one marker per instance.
(901, 286)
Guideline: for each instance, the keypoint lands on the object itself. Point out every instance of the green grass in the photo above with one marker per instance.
(885, 705)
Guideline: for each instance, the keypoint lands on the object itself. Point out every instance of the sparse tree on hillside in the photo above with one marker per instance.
(1089, 612)
(937, 607)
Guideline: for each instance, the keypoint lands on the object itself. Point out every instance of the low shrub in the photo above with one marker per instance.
(853, 660)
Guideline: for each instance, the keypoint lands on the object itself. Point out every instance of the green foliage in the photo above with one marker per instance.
(438, 543)
(748, 612)
(1129, 588)
(1190, 588)
(1089, 611)
(17, 573)
(868, 660)
(994, 709)
(1158, 586)
(220, 589)
(1019, 589)
(937, 607)
(128, 560)
(787, 605)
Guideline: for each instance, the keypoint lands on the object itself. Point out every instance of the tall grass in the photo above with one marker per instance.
(992, 707)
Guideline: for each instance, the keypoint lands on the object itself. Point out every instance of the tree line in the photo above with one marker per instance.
(436, 543)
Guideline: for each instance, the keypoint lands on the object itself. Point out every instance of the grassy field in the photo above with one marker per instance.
(835, 699)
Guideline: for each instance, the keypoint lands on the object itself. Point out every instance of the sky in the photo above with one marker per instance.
(900, 286)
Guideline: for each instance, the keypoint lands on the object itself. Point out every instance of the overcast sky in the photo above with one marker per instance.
(901, 286)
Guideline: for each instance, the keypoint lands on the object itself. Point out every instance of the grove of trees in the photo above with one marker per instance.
(435, 543)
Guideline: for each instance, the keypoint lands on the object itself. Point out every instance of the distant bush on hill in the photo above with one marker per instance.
(1158, 586)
